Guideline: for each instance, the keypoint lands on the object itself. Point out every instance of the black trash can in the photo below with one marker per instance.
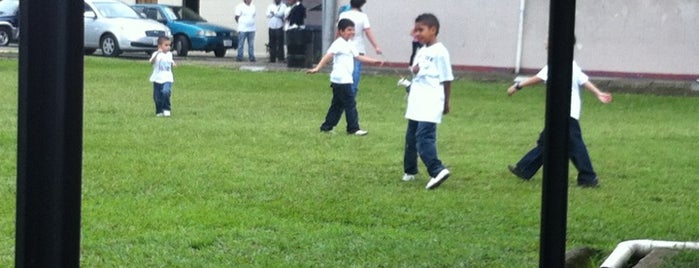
(297, 41)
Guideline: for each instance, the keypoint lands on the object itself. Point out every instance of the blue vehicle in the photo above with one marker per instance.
(9, 21)
(189, 30)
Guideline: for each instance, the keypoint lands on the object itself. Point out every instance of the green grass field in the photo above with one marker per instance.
(241, 177)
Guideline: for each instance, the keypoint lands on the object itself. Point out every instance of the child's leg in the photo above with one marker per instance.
(579, 155)
(157, 96)
(356, 76)
(166, 93)
(349, 102)
(335, 110)
(532, 161)
(426, 136)
(410, 154)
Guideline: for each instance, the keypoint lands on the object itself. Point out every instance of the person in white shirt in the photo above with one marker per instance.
(162, 77)
(342, 53)
(245, 17)
(275, 14)
(534, 159)
(428, 100)
(362, 28)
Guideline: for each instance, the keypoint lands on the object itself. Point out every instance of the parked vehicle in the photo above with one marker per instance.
(190, 31)
(114, 27)
(9, 22)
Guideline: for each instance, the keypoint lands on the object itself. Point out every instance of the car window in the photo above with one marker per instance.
(88, 8)
(9, 7)
(116, 10)
(183, 13)
(151, 13)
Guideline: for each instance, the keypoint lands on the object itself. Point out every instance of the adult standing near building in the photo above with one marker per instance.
(362, 28)
(245, 17)
(297, 14)
(275, 14)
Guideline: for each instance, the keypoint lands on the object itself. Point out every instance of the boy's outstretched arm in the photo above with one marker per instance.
(323, 61)
(447, 95)
(519, 85)
(369, 60)
(602, 96)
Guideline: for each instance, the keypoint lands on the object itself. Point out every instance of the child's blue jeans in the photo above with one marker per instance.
(421, 139)
(161, 96)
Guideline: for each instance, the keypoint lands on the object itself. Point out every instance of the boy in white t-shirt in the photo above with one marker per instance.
(534, 159)
(428, 100)
(362, 28)
(162, 77)
(343, 54)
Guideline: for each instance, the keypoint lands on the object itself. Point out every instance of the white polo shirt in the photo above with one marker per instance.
(426, 99)
(246, 14)
(275, 14)
(579, 78)
(361, 22)
(343, 61)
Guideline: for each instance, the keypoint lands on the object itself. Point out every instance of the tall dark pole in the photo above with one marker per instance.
(554, 205)
(49, 142)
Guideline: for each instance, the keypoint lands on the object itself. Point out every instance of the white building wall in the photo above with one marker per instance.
(624, 37)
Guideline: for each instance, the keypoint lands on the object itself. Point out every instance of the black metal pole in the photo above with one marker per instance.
(49, 142)
(554, 203)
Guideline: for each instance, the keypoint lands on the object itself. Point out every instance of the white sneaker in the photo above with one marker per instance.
(436, 181)
(166, 113)
(408, 177)
(159, 114)
(360, 132)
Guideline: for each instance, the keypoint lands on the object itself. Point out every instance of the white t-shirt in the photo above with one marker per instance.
(246, 14)
(343, 61)
(426, 99)
(275, 13)
(162, 67)
(361, 22)
(579, 78)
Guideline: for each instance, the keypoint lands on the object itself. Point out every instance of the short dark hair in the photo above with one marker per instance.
(357, 3)
(344, 23)
(162, 39)
(428, 19)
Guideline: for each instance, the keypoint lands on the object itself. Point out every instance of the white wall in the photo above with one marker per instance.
(623, 36)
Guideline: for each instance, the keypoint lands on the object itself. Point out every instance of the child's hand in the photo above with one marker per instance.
(416, 68)
(511, 91)
(312, 71)
(604, 97)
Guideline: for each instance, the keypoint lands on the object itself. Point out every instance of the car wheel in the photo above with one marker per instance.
(220, 52)
(5, 34)
(110, 46)
(89, 51)
(181, 45)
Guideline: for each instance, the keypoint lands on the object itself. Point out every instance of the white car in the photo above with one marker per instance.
(114, 27)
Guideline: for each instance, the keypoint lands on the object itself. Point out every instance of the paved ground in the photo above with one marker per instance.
(646, 86)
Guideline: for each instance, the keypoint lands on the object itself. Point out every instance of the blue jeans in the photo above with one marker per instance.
(421, 138)
(161, 96)
(534, 159)
(356, 75)
(250, 37)
(343, 100)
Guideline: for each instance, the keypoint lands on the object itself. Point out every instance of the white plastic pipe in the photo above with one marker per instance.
(520, 36)
(625, 250)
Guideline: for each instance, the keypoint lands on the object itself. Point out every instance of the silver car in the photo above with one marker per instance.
(114, 27)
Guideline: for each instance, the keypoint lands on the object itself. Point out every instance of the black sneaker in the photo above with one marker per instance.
(592, 184)
(516, 172)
